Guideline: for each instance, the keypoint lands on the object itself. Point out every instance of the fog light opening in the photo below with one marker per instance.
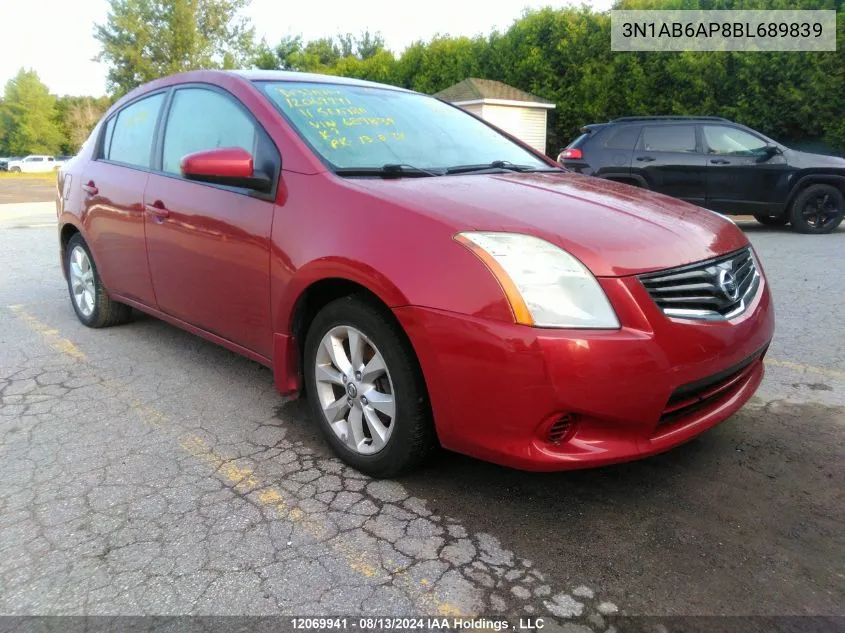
(561, 429)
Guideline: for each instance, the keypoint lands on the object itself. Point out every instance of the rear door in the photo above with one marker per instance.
(738, 179)
(209, 245)
(113, 198)
(668, 158)
(614, 149)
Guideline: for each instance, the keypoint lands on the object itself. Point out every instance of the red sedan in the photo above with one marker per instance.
(423, 277)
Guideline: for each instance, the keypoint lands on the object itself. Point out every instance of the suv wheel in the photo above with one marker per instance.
(817, 209)
(772, 220)
(366, 390)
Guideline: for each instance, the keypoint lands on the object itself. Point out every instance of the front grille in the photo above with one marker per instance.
(719, 288)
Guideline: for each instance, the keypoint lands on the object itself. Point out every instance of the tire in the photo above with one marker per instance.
(410, 436)
(772, 220)
(818, 209)
(15, 170)
(91, 302)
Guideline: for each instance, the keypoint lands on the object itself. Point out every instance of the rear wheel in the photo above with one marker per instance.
(366, 390)
(772, 220)
(817, 209)
(89, 298)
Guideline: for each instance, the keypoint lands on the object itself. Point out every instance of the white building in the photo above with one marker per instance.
(516, 112)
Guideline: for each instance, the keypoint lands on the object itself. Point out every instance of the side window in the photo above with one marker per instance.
(623, 138)
(721, 139)
(132, 137)
(202, 119)
(668, 138)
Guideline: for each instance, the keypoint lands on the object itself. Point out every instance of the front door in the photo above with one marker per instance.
(208, 245)
(667, 157)
(739, 178)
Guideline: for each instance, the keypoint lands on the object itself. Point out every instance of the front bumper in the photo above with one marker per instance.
(499, 391)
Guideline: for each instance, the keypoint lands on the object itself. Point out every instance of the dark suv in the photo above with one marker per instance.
(717, 164)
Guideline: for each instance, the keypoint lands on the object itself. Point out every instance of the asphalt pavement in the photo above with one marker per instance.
(146, 471)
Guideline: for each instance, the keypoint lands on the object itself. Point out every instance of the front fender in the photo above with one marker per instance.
(332, 268)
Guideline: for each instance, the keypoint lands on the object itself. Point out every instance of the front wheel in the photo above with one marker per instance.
(817, 209)
(772, 220)
(366, 390)
(15, 170)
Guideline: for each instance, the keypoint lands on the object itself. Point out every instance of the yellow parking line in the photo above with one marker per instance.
(809, 369)
(51, 335)
(244, 479)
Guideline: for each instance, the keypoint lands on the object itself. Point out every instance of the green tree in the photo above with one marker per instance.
(76, 117)
(369, 45)
(142, 40)
(435, 65)
(28, 116)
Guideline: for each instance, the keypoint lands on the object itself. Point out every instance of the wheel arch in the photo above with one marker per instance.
(635, 180)
(66, 232)
(306, 294)
(813, 179)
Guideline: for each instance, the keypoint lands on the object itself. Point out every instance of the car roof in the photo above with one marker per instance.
(669, 119)
(216, 76)
(290, 75)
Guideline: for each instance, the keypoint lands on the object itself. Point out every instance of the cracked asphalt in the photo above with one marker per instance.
(146, 471)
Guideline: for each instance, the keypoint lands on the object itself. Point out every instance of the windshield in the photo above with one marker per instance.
(355, 127)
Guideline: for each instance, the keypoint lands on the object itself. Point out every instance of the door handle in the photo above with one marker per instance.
(720, 161)
(157, 210)
(90, 188)
(645, 159)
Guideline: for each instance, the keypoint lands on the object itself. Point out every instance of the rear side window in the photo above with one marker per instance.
(578, 142)
(132, 137)
(624, 138)
(668, 138)
(202, 119)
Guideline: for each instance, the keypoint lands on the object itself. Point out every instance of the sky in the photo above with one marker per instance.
(55, 37)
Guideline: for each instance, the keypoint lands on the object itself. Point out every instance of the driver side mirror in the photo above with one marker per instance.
(231, 166)
(769, 151)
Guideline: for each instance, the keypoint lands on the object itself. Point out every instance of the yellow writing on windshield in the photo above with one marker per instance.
(372, 121)
(304, 102)
(336, 121)
(307, 92)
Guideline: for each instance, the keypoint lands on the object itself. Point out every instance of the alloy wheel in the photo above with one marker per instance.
(354, 390)
(820, 211)
(82, 281)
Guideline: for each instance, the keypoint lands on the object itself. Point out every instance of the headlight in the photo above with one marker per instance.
(545, 285)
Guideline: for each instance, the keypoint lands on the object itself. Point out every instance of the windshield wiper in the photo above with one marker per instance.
(497, 164)
(391, 170)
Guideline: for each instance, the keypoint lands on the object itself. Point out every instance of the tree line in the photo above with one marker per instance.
(562, 55)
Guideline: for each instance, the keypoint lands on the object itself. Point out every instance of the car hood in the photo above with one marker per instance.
(806, 159)
(613, 229)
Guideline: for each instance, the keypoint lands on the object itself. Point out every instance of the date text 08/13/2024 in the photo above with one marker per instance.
(413, 623)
